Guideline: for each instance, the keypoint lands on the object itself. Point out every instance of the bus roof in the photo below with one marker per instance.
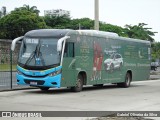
(96, 32)
(62, 32)
(58, 33)
(110, 35)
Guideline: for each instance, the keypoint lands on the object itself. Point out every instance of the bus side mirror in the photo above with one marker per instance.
(60, 41)
(15, 41)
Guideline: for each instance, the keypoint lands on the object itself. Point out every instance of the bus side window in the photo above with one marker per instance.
(69, 49)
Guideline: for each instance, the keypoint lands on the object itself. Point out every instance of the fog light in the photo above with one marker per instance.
(54, 83)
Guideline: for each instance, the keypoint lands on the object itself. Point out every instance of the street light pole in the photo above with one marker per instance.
(96, 10)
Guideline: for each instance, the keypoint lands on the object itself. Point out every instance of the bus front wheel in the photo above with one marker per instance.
(79, 84)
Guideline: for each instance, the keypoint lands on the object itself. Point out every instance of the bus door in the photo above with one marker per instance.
(68, 66)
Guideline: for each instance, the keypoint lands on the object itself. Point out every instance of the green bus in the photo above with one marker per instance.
(54, 58)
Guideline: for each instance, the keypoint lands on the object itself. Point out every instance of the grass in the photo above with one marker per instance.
(6, 67)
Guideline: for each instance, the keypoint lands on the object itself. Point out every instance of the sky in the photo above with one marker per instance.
(116, 12)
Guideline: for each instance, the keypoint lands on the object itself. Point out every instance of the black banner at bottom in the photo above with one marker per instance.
(79, 113)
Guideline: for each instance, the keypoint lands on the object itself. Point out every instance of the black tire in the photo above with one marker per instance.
(44, 88)
(127, 82)
(79, 84)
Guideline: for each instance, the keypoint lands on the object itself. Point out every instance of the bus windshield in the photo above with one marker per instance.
(39, 53)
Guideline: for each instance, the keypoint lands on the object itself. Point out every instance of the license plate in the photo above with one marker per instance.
(33, 83)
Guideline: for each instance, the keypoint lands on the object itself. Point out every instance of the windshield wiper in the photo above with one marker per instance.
(36, 54)
(32, 55)
(39, 54)
(30, 58)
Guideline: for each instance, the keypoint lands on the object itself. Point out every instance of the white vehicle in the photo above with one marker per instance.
(114, 62)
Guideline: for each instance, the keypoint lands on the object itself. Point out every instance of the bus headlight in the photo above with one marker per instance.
(55, 73)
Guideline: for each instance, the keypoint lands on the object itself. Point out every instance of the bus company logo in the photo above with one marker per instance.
(6, 114)
(38, 61)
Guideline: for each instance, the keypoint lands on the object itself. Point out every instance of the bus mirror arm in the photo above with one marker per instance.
(60, 41)
(15, 41)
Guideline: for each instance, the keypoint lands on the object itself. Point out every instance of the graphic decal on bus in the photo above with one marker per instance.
(115, 61)
(97, 61)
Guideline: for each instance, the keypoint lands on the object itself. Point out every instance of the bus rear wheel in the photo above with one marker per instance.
(79, 84)
(127, 82)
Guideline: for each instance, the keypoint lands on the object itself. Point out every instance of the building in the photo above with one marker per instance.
(56, 12)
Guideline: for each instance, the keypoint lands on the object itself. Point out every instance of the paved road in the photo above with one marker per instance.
(144, 95)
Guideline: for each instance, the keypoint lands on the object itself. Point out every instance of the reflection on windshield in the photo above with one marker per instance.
(39, 52)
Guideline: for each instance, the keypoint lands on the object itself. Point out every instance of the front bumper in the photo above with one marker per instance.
(47, 81)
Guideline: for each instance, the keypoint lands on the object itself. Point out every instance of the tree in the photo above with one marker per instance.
(32, 9)
(156, 51)
(17, 23)
(139, 32)
(112, 28)
(83, 23)
(86, 23)
(57, 22)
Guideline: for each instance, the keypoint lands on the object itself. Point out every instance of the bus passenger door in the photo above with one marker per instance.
(68, 66)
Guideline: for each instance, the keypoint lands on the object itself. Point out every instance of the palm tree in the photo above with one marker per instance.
(139, 32)
(32, 9)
